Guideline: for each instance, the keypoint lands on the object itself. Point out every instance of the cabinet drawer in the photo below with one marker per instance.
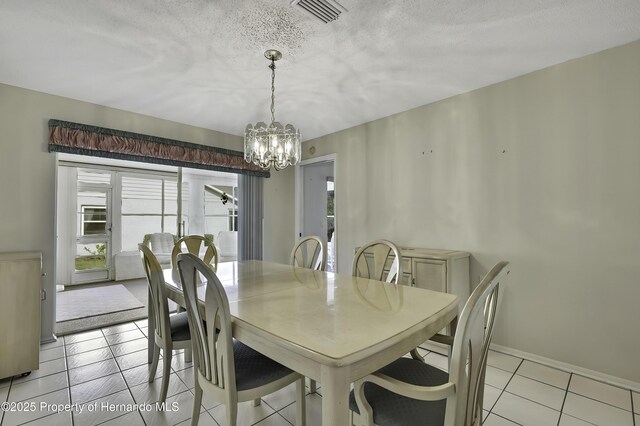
(430, 274)
(405, 265)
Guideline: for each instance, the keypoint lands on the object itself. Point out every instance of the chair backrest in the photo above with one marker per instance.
(213, 347)
(158, 302)
(378, 260)
(310, 253)
(193, 244)
(471, 347)
(161, 242)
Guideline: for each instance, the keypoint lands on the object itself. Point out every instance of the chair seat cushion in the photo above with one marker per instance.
(254, 369)
(392, 409)
(179, 327)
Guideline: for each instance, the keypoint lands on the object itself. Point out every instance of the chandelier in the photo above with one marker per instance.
(272, 145)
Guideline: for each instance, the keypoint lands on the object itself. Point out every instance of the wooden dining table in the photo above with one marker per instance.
(333, 328)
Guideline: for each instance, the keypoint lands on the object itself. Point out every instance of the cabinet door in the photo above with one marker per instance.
(19, 316)
(429, 273)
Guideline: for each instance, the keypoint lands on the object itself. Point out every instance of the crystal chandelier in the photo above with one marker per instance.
(273, 145)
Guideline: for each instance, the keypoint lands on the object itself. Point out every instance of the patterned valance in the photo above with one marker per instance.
(75, 138)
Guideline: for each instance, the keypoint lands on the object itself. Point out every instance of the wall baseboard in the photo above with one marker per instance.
(570, 368)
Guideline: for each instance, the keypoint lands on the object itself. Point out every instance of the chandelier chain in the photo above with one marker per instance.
(273, 90)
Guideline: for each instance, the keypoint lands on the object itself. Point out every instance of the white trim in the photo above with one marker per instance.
(299, 205)
(570, 368)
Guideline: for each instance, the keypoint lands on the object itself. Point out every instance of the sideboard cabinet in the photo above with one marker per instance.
(20, 287)
(437, 269)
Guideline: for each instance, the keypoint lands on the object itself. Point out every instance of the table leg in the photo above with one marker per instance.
(335, 396)
(151, 330)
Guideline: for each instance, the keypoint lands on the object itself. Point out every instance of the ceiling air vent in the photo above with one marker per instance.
(325, 10)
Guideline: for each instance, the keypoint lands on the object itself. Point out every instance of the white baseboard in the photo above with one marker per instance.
(570, 368)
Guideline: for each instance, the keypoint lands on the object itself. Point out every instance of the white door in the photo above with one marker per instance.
(318, 202)
(92, 254)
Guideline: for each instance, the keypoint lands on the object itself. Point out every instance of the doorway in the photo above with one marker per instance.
(92, 257)
(316, 205)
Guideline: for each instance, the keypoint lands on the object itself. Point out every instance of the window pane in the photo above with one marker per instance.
(90, 256)
(141, 195)
(220, 211)
(94, 220)
(92, 212)
(134, 229)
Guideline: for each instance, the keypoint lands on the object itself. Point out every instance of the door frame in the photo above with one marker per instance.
(91, 276)
(299, 201)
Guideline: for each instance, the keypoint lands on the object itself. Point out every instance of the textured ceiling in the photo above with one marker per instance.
(201, 62)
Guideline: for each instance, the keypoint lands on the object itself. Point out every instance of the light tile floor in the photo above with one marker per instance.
(109, 366)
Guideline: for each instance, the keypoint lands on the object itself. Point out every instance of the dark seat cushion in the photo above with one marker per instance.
(392, 409)
(254, 369)
(179, 327)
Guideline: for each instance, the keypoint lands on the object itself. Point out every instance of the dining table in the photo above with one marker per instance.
(331, 327)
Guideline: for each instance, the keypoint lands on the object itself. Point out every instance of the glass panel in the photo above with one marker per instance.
(92, 213)
(134, 229)
(141, 210)
(221, 213)
(185, 208)
(331, 242)
(94, 220)
(90, 256)
(141, 196)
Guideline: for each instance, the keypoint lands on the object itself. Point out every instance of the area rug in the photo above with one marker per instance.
(88, 302)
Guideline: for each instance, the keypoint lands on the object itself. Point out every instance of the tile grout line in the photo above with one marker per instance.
(566, 392)
(633, 408)
(66, 365)
(504, 388)
(502, 417)
(125, 380)
(7, 398)
(120, 371)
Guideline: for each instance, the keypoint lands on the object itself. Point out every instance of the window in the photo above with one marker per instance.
(94, 220)
(149, 205)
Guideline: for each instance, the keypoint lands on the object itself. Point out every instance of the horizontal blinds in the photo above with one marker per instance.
(76, 138)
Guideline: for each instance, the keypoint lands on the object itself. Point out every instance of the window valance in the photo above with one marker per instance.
(75, 138)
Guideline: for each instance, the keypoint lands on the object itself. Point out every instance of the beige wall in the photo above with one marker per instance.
(27, 170)
(279, 217)
(542, 170)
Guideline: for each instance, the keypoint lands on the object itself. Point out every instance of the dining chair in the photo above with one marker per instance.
(171, 331)
(225, 369)
(410, 392)
(309, 252)
(378, 260)
(194, 244)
